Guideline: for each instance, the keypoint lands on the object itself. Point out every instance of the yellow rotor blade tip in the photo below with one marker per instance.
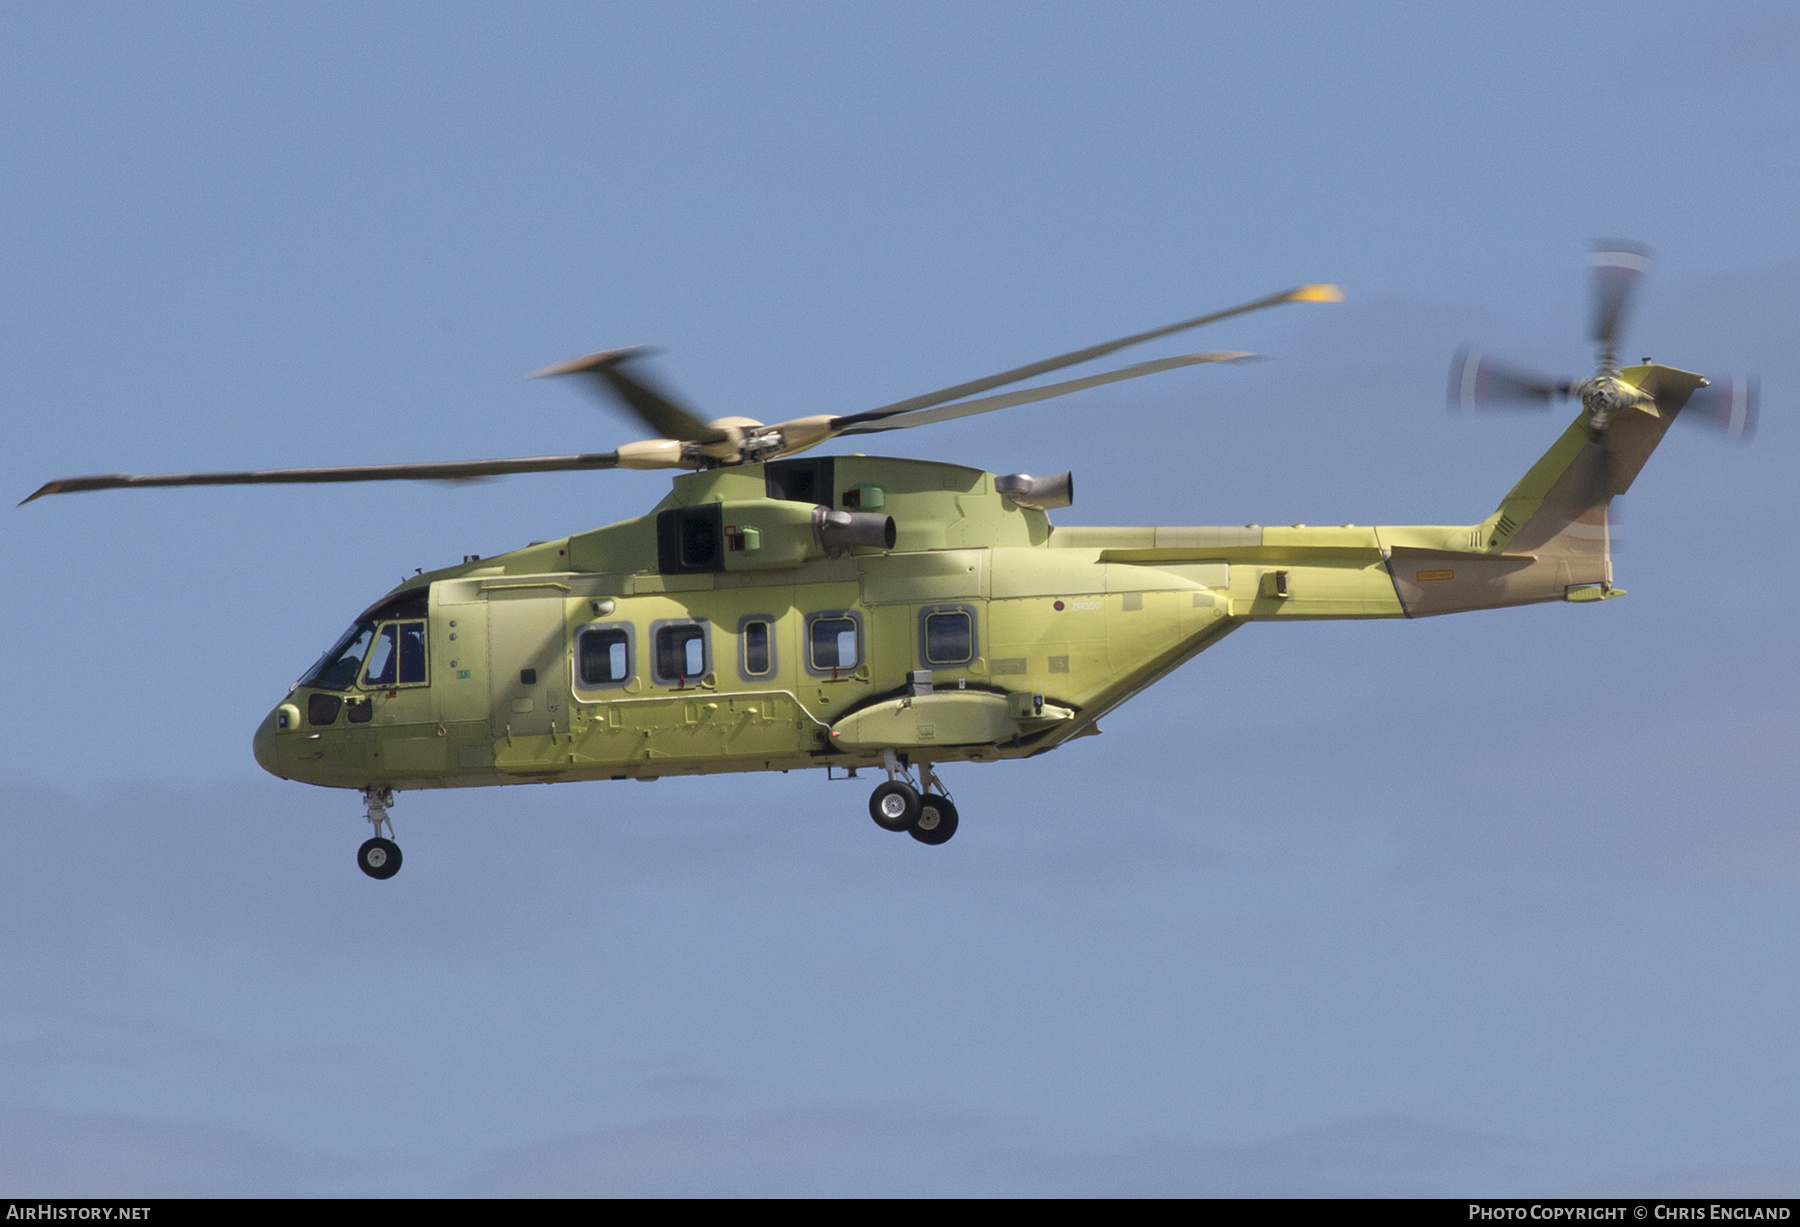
(1317, 293)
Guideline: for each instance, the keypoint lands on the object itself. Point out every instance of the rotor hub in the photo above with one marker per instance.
(1605, 395)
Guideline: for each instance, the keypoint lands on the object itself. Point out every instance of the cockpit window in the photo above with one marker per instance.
(383, 660)
(412, 652)
(398, 656)
(395, 656)
(337, 669)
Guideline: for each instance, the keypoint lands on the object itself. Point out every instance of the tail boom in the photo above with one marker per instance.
(1550, 539)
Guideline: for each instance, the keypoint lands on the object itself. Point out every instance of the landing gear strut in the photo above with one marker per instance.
(379, 857)
(899, 806)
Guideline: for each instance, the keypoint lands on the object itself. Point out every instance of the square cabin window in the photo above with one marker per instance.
(949, 637)
(831, 643)
(681, 652)
(605, 656)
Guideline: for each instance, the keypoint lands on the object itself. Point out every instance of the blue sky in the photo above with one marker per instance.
(1491, 904)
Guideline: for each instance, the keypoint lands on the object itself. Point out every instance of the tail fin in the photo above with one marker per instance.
(1559, 507)
(1548, 540)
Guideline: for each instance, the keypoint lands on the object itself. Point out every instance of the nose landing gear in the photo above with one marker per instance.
(897, 805)
(379, 857)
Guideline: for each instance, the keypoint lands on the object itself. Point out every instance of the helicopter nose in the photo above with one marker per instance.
(268, 736)
(264, 744)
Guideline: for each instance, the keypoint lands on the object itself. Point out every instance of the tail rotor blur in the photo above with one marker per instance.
(1616, 271)
(1729, 406)
(1480, 384)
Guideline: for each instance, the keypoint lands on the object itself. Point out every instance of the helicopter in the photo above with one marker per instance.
(779, 612)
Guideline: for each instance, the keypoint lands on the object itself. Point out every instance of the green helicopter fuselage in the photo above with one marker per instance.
(725, 632)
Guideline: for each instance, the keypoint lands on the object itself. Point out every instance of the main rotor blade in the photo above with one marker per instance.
(1478, 384)
(449, 470)
(1729, 404)
(1305, 293)
(664, 415)
(1616, 267)
(860, 425)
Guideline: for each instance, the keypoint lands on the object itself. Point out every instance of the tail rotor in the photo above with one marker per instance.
(1728, 406)
(1616, 270)
(1481, 384)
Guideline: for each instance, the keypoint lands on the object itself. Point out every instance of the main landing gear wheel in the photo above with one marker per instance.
(936, 822)
(894, 805)
(379, 858)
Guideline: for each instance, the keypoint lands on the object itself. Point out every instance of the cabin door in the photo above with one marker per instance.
(528, 671)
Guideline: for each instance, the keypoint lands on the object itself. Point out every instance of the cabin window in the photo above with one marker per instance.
(337, 669)
(322, 709)
(605, 656)
(947, 635)
(756, 640)
(397, 657)
(680, 652)
(833, 643)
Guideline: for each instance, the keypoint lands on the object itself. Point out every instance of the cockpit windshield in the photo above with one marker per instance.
(337, 669)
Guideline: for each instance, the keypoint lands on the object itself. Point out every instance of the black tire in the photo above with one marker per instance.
(379, 858)
(936, 822)
(894, 805)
